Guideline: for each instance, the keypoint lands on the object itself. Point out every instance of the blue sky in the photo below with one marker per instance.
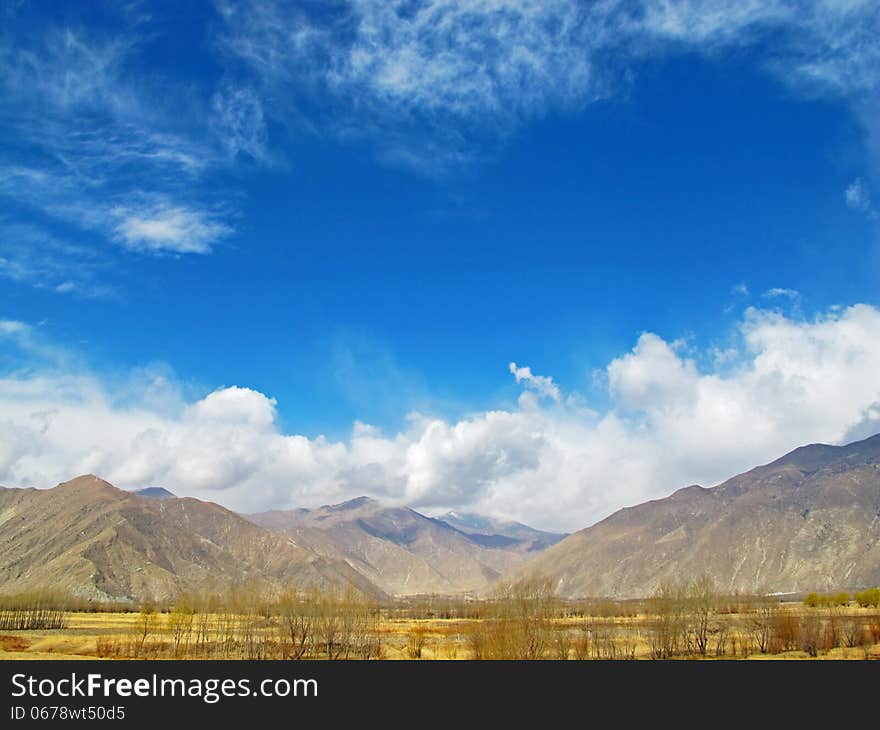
(367, 214)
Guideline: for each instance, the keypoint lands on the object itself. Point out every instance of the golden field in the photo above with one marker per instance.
(517, 628)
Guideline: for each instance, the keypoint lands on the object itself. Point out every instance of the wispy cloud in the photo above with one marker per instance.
(430, 80)
(432, 73)
(167, 228)
(98, 147)
(858, 198)
(778, 292)
(32, 350)
(239, 123)
(32, 256)
(94, 137)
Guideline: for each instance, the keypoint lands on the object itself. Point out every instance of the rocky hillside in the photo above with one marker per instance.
(808, 521)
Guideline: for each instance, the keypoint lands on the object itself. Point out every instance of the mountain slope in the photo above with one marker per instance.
(400, 550)
(90, 539)
(807, 521)
(474, 524)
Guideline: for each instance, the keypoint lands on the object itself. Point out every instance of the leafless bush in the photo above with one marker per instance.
(415, 643)
(872, 624)
(853, 632)
(720, 634)
(786, 631)
(811, 634)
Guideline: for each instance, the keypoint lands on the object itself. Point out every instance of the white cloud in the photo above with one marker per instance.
(778, 292)
(858, 198)
(416, 69)
(790, 381)
(90, 138)
(32, 256)
(168, 228)
(428, 79)
(235, 405)
(239, 123)
(652, 375)
(541, 384)
(12, 327)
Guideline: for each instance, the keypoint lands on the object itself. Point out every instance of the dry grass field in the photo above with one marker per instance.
(526, 622)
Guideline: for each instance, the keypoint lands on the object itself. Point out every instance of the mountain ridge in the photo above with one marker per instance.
(93, 540)
(809, 520)
(401, 550)
(476, 524)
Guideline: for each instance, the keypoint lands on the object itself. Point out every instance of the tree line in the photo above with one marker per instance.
(523, 620)
(332, 624)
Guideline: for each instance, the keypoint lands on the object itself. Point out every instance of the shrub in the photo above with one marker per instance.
(813, 600)
(869, 597)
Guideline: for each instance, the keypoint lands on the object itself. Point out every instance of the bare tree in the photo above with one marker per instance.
(666, 629)
(761, 622)
(701, 602)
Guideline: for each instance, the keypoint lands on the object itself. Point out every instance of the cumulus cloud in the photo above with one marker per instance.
(541, 384)
(670, 423)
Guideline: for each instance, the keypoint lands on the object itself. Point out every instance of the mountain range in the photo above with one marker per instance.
(807, 521)
(89, 539)
(406, 553)
(474, 524)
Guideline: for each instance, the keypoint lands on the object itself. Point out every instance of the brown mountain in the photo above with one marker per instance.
(400, 550)
(808, 521)
(90, 539)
